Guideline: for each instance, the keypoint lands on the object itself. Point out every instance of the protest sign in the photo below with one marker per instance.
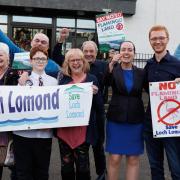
(24, 107)
(165, 108)
(21, 61)
(110, 30)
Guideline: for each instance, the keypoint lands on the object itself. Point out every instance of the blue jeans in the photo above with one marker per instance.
(155, 150)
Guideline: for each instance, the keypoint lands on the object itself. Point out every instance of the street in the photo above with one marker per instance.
(54, 171)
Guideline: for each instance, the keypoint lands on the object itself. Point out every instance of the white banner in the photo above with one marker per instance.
(34, 107)
(165, 108)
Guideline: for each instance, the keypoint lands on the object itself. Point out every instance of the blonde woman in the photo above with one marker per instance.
(74, 142)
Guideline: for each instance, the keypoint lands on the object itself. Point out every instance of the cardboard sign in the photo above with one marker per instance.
(110, 30)
(21, 61)
(165, 108)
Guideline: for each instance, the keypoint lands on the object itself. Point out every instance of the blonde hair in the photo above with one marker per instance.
(66, 69)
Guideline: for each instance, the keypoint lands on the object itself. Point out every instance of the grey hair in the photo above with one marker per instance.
(5, 48)
(89, 42)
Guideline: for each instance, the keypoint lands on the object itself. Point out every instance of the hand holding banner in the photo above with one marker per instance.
(36, 107)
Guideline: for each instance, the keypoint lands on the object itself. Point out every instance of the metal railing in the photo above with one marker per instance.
(141, 59)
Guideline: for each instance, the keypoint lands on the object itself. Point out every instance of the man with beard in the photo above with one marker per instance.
(161, 67)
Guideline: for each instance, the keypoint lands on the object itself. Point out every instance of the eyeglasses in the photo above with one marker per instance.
(42, 42)
(40, 60)
(74, 60)
(161, 38)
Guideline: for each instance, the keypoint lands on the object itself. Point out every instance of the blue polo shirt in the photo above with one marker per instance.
(166, 70)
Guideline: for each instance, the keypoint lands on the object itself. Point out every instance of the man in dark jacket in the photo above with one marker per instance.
(97, 68)
(162, 67)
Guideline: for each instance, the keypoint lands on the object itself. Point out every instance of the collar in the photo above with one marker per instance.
(36, 76)
(167, 57)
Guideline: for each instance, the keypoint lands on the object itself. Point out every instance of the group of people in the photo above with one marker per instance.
(127, 125)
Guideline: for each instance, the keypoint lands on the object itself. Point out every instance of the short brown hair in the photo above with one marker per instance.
(34, 50)
(159, 28)
(66, 70)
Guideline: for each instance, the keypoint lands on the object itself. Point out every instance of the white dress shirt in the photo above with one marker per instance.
(39, 133)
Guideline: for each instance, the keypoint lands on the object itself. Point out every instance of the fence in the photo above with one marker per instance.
(141, 59)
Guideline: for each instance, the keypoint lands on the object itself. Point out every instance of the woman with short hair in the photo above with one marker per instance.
(7, 77)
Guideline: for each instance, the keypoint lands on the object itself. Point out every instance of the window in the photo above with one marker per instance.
(63, 22)
(84, 35)
(3, 28)
(80, 30)
(87, 24)
(29, 19)
(3, 23)
(3, 19)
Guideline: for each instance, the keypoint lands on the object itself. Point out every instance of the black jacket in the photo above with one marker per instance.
(57, 54)
(124, 106)
(10, 77)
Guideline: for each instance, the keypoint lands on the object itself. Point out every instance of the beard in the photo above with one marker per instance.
(159, 50)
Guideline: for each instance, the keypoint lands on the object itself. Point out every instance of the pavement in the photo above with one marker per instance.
(54, 170)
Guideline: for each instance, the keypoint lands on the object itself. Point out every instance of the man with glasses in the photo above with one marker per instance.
(161, 67)
(39, 40)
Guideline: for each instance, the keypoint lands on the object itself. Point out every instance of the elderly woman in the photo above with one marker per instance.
(74, 142)
(125, 114)
(7, 77)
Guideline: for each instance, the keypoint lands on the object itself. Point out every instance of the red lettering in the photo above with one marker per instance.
(165, 85)
(172, 85)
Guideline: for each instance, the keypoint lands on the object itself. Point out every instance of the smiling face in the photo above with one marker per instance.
(76, 64)
(127, 53)
(4, 60)
(159, 41)
(39, 62)
(89, 51)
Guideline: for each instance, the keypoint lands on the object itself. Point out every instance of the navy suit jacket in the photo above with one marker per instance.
(125, 106)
